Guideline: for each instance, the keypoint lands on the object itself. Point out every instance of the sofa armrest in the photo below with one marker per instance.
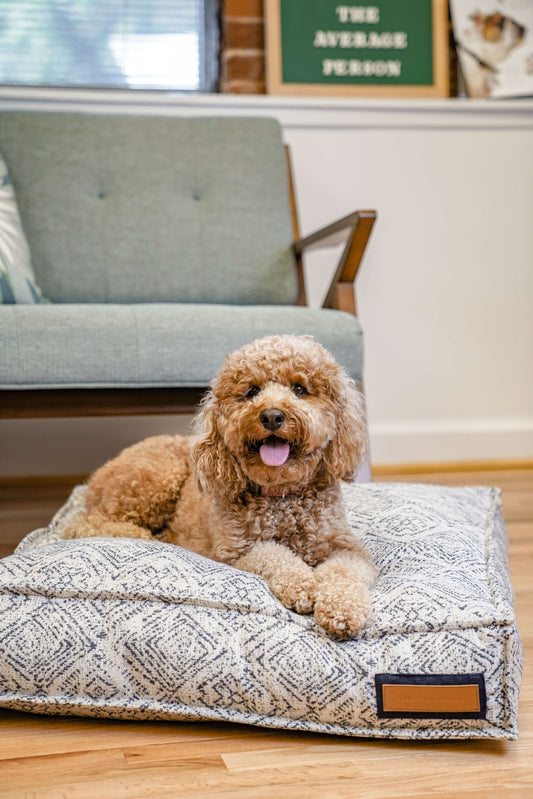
(358, 224)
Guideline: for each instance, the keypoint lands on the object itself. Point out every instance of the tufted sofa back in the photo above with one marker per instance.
(152, 208)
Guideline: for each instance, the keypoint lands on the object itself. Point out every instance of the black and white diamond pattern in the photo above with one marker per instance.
(141, 629)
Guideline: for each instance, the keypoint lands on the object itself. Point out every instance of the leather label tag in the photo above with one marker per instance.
(430, 695)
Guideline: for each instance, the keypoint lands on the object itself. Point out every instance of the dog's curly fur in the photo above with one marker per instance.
(216, 495)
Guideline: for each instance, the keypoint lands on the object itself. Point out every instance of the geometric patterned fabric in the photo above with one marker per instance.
(126, 628)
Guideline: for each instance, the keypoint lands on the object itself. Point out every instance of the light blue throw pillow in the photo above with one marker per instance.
(17, 279)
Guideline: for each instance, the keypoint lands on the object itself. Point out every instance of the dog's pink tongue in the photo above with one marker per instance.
(274, 452)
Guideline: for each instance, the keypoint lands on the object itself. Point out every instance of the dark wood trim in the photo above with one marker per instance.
(39, 403)
(41, 483)
(301, 298)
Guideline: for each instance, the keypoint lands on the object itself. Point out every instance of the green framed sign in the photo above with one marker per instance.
(383, 48)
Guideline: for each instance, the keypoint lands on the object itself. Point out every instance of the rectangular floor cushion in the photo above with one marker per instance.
(137, 629)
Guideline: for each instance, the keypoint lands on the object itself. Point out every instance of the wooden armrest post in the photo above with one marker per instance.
(341, 295)
(344, 298)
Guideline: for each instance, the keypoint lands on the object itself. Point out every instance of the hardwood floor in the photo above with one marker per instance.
(70, 758)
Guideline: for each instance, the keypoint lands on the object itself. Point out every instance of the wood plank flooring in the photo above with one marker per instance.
(71, 758)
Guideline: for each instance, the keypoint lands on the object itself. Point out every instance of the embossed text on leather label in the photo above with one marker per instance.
(430, 695)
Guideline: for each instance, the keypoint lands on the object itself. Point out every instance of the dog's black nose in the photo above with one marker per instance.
(272, 419)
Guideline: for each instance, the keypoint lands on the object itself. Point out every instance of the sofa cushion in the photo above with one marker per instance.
(142, 629)
(17, 279)
(153, 209)
(130, 346)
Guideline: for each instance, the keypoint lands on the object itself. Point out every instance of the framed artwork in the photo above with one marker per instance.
(494, 40)
(383, 48)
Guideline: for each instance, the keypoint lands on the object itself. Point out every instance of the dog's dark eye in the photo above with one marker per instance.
(252, 392)
(299, 390)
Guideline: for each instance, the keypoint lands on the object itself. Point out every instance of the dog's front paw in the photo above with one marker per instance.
(291, 580)
(295, 591)
(342, 614)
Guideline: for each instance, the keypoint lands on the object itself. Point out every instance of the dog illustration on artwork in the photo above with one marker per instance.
(486, 44)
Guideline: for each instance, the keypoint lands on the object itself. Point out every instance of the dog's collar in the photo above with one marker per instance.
(274, 491)
(271, 491)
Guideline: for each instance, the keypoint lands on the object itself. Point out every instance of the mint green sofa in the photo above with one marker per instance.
(162, 244)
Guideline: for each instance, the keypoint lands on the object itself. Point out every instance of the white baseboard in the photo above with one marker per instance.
(442, 441)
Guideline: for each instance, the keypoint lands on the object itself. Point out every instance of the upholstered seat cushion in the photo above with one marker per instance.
(142, 629)
(85, 345)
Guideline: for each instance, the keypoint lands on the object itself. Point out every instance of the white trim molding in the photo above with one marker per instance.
(292, 112)
(443, 441)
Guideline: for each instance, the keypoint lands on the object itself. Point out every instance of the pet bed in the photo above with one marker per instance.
(136, 629)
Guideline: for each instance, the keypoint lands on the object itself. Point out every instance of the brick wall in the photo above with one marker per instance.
(242, 56)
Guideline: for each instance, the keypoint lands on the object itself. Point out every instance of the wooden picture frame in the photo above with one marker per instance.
(324, 48)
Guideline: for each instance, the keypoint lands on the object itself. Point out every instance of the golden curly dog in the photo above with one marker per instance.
(258, 485)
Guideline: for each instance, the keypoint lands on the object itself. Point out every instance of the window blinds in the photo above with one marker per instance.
(127, 44)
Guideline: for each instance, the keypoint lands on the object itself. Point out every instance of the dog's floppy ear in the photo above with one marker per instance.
(217, 471)
(348, 446)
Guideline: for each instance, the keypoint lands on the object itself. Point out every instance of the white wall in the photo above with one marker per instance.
(445, 292)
